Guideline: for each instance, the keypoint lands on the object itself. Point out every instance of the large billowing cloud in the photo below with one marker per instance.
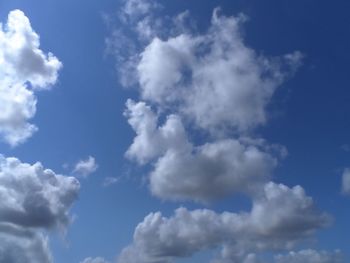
(24, 68)
(203, 94)
(32, 200)
(294, 217)
(214, 84)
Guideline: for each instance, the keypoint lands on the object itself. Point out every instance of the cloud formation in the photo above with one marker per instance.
(162, 239)
(185, 171)
(32, 199)
(203, 94)
(85, 167)
(24, 69)
(214, 79)
(215, 85)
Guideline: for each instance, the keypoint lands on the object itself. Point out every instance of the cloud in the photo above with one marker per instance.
(86, 167)
(18, 245)
(294, 218)
(216, 86)
(310, 256)
(32, 199)
(94, 260)
(32, 196)
(136, 8)
(200, 173)
(24, 69)
(213, 79)
(203, 94)
(346, 181)
(108, 181)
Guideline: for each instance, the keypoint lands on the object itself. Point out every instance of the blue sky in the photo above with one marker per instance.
(229, 111)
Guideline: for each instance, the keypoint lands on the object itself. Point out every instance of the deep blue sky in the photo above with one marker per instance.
(82, 114)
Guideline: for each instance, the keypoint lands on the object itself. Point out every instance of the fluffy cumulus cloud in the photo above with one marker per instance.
(85, 167)
(185, 171)
(346, 182)
(162, 239)
(203, 94)
(310, 256)
(24, 69)
(32, 199)
(214, 78)
(216, 85)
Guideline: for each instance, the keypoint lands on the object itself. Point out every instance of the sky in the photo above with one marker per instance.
(144, 131)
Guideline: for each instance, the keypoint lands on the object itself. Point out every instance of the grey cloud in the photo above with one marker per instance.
(33, 200)
(32, 196)
(23, 246)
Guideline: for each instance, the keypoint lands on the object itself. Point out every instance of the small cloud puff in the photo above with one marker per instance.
(85, 167)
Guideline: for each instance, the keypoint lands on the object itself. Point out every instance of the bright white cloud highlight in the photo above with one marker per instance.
(86, 167)
(24, 68)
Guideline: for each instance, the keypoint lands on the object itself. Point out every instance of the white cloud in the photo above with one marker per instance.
(24, 68)
(94, 260)
(153, 141)
(214, 79)
(310, 256)
(32, 199)
(346, 181)
(17, 106)
(215, 83)
(280, 217)
(203, 94)
(184, 171)
(86, 167)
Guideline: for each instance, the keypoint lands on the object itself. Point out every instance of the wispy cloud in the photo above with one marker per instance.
(85, 167)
